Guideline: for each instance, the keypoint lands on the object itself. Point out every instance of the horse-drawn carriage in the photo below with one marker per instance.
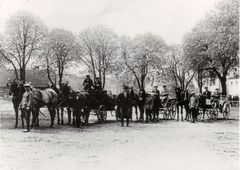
(213, 107)
(100, 103)
(169, 109)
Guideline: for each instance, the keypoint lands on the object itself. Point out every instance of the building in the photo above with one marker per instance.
(37, 78)
(232, 83)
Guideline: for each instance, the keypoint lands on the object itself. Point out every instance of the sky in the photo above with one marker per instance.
(170, 19)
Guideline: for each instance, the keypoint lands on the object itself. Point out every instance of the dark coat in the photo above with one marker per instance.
(124, 104)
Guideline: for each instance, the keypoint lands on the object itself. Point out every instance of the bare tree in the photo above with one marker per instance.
(177, 68)
(23, 37)
(140, 55)
(59, 52)
(99, 47)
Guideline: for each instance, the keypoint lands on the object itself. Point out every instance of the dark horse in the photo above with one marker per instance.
(65, 101)
(182, 100)
(16, 90)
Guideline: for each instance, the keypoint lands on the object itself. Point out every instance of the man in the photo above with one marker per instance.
(216, 95)
(98, 84)
(88, 83)
(193, 105)
(26, 104)
(124, 104)
(148, 107)
(156, 103)
(164, 95)
(206, 97)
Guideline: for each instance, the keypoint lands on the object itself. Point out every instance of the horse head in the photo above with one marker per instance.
(13, 87)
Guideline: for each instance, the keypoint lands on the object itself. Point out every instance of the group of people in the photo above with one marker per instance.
(147, 102)
(208, 100)
(90, 85)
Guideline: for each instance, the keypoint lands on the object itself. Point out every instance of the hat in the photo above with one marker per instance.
(78, 91)
(125, 87)
(27, 85)
(164, 86)
(88, 75)
(205, 87)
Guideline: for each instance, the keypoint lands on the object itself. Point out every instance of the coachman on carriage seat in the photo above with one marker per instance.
(88, 83)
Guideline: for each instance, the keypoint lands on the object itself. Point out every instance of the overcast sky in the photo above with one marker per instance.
(167, 18)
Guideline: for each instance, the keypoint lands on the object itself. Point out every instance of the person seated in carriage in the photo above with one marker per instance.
(164, 95)
(88, 83)
(98, 84)
(216, 95)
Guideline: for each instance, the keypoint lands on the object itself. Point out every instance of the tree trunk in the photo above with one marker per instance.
(223, 81)
(22, 74)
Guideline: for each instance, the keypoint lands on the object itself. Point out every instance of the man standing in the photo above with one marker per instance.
(88, 83)
(193, 105)
(26, 105)
(156, 103)
(206, 97)
(124, 104)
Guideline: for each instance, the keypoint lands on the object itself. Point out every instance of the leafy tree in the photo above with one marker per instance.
(214, 42)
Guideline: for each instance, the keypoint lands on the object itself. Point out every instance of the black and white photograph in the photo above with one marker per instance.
(119, 85)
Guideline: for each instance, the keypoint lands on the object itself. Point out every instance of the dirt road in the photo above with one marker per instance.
(166, 145)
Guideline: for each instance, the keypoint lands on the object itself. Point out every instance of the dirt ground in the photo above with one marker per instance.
(166, 145)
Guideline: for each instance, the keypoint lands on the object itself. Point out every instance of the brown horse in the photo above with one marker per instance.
(47, 97)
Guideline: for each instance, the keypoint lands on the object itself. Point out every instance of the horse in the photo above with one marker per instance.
(65, 95)
(182, 100)
(16, 90)
(141, 99)
(47, 97)
(134, 99)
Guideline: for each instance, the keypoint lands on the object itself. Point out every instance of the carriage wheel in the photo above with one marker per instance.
(209, 114)
(226, 111)
(199, 116)
(101, 114)
(172, 111)
(166, 114)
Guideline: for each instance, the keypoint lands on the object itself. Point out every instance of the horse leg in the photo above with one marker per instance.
(204, 110)
(87, 113)
(16, 115)
(37, 117)
(58, 117)
(177, 106)
(182, 113)
(136, 111)
(62, 111)
(69, 115)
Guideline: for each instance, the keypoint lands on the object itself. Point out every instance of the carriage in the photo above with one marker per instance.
(100, 103)
(214, 107)
(169, 109)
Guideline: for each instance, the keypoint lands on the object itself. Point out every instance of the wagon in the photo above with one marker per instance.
(169, 110)
(213, 108)
(100, 103)
(209, 110)
(222, 106)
